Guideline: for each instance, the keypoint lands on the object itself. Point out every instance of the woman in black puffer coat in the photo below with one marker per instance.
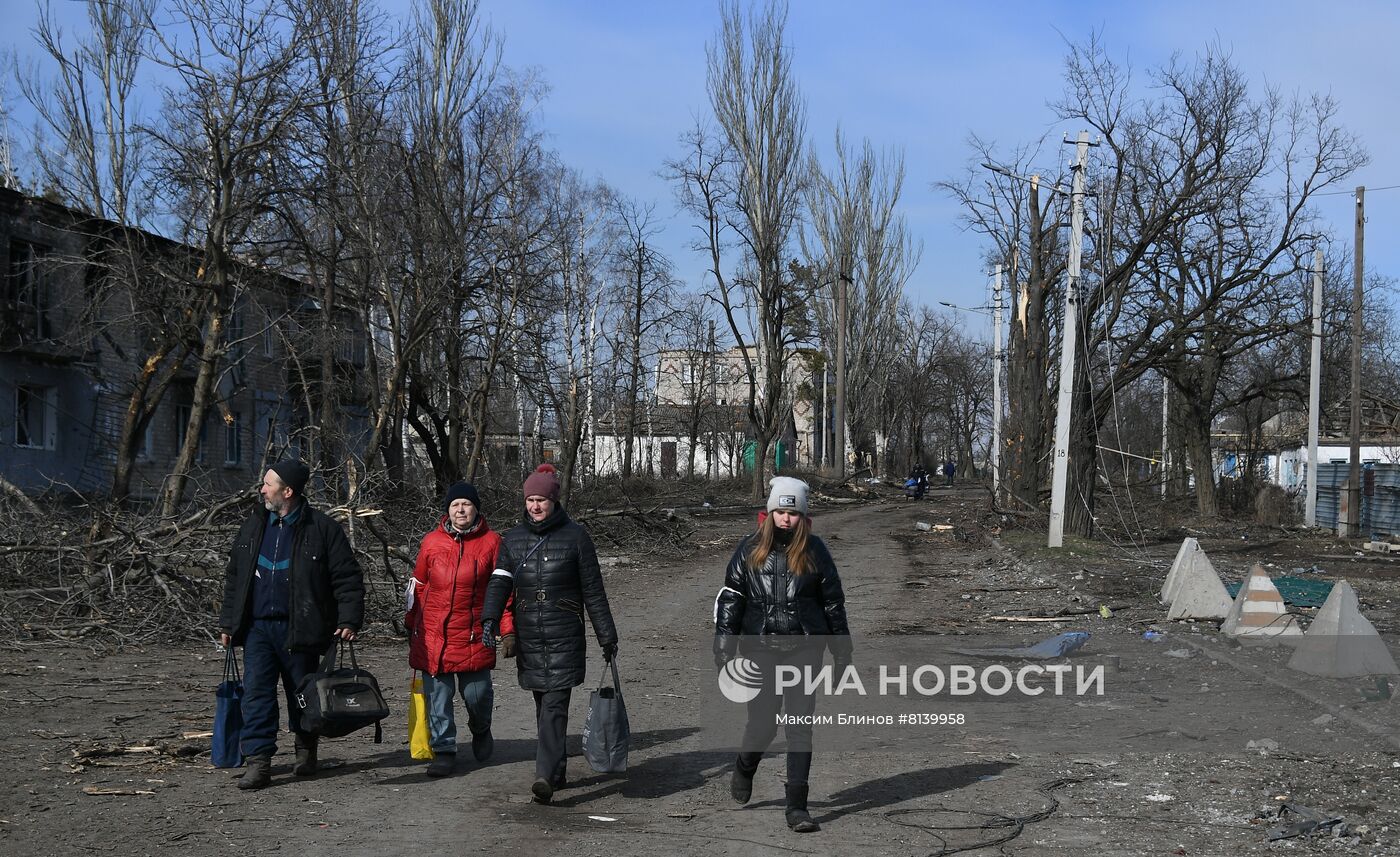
(549, 562)
(780, 589)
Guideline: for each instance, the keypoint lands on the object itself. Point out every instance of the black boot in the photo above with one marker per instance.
(483, 744)
(306, 764)
(797, 816)
(741, 783)
(259, 773)
(542, 791)
(442, 765)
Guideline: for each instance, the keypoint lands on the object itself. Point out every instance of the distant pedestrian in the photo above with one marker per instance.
(448, 592)
(949, 468)
(781, 594)
(291, 586)
(554, 578)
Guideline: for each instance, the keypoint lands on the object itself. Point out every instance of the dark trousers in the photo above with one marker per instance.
(266, 659)
(761, 728)
(552, 719)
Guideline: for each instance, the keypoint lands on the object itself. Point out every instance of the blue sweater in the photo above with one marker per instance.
(272, 580)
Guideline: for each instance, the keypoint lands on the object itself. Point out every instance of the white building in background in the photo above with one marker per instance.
(1290, 466)
(705, 393)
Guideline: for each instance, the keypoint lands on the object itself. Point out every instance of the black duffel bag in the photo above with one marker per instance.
(338, 699)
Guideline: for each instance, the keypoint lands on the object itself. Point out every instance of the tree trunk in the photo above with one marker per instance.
(210, 353)
(1197, 432)
(1027, 367)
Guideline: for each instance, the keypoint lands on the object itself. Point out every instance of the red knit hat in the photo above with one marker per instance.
(544, 482)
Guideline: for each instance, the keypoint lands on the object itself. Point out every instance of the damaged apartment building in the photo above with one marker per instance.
(97, 320)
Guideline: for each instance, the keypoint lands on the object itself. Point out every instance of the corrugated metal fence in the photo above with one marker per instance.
(1380, 496)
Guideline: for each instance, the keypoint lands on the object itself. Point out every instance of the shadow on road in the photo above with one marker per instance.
(909, 785)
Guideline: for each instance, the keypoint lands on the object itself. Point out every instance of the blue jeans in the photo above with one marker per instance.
(265, 660)
(476, 691)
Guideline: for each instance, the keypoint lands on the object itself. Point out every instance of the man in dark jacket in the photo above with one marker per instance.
(292, 584)
(553, 573)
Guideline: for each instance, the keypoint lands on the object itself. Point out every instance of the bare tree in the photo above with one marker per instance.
(863, 240)
(238, 85)
(746, 189)
(643, 284)
(101, 170)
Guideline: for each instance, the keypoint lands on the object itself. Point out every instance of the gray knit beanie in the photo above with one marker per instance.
(787, 493)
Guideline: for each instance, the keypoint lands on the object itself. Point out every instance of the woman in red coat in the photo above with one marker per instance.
(447, 594)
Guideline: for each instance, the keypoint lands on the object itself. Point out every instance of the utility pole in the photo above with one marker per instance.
(1166, 416)
(826, 461)
(843, 282)
(712, 363)
(1352, 527)
(996, 387)
(1314, 392)
(1069, 342)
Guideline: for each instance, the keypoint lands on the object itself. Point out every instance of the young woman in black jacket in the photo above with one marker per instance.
(780, 590)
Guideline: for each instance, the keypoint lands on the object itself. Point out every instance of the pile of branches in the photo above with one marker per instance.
(108, 577)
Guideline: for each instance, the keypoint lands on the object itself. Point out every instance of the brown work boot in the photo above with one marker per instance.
(259, 772)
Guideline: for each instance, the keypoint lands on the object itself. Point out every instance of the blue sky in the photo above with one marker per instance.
(627, 78)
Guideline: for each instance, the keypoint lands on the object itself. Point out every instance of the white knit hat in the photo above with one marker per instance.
(787, 493)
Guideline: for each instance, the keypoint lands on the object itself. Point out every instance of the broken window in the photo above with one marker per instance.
(27, 290)
(35, 417)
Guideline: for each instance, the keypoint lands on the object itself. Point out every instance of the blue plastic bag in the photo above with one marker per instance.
(228, 716)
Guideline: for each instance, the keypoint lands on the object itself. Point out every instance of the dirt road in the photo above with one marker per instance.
(910, 797)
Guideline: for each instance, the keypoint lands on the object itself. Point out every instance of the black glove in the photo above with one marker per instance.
(488, 633)
(609, 652)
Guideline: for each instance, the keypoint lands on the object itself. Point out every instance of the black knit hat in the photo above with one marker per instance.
(461, 491)
(293, 474)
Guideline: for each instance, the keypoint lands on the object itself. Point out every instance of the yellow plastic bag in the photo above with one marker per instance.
(419, 742)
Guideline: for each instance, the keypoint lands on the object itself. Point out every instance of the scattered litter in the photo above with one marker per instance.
(1304, 820)
(601, 818)
(1153, 636)
(684, 816)
(1263, 745)
(107, 790)
(1183, 654)
(1323, 720)
(923, 525)
(1051, 647)
(986, 778)
(1105, 612)
(1159, 798)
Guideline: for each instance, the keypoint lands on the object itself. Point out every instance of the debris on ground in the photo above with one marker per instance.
(1052, 647)
(1299, 820)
